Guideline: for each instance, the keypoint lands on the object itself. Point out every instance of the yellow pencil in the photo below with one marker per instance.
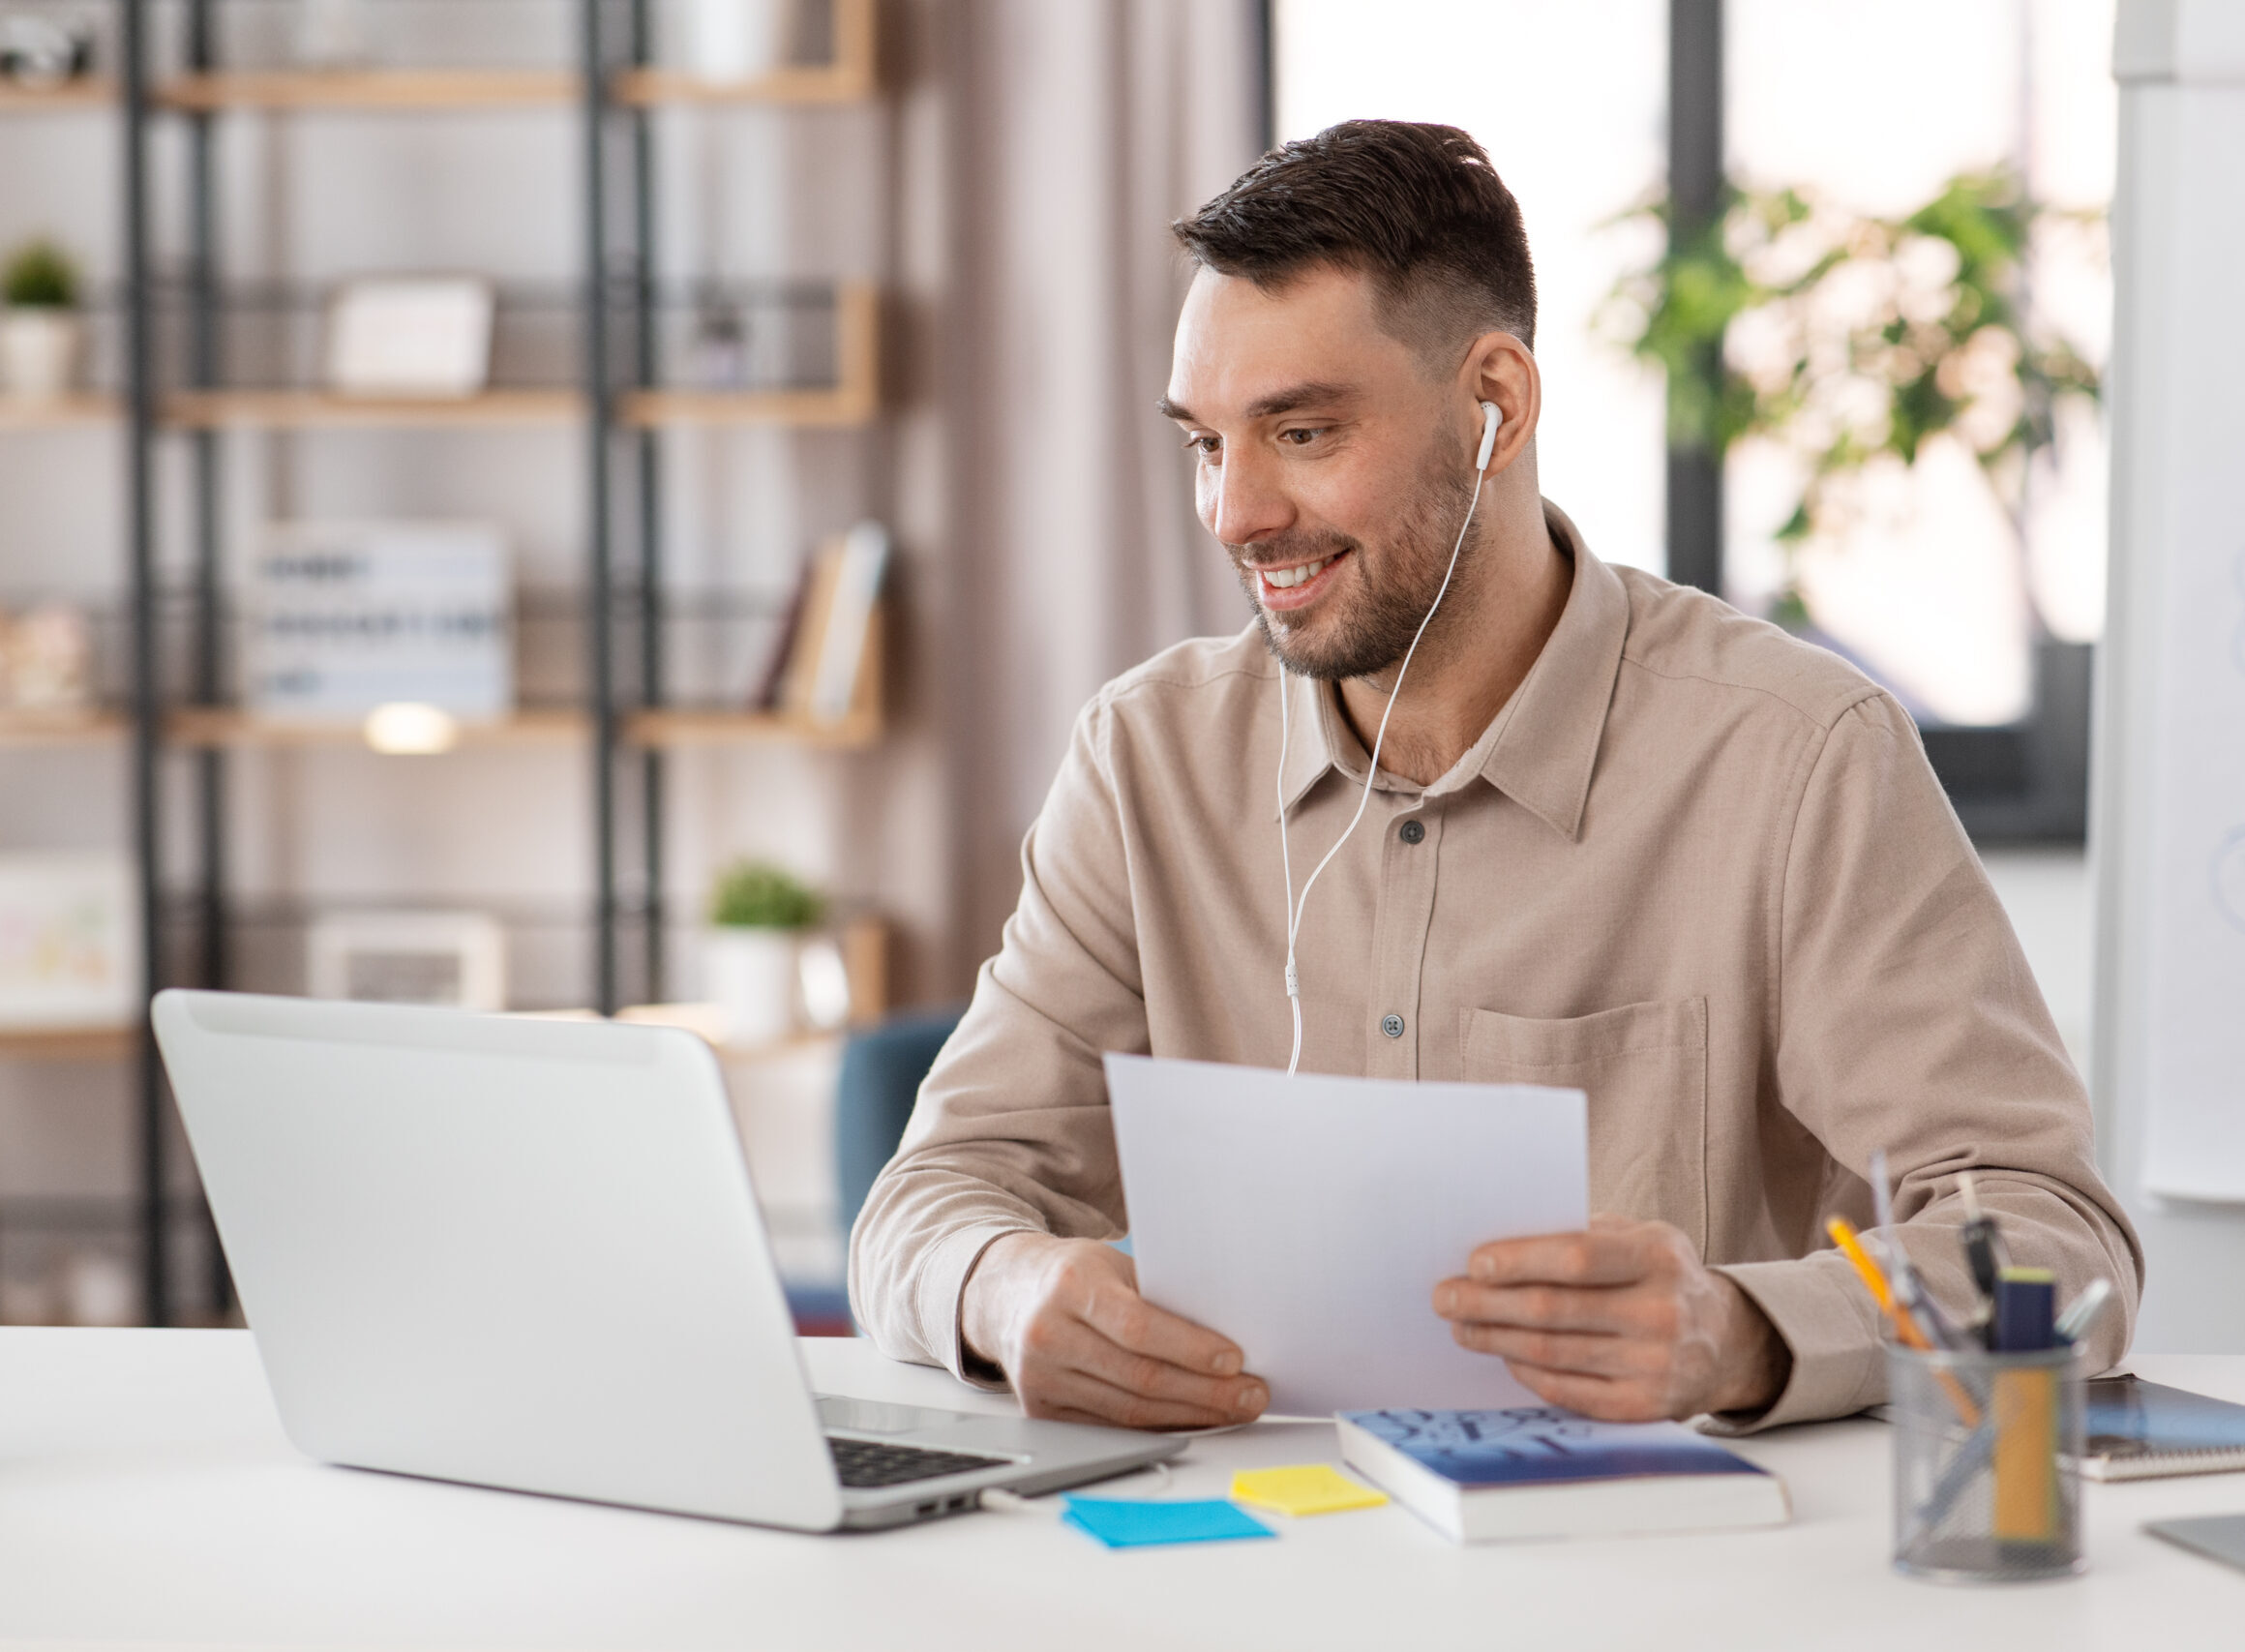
(1905, 1329)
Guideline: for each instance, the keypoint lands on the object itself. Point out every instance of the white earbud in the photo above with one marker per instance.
(1491, 422)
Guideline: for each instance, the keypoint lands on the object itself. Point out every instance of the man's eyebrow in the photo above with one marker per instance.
(1295, 397)
(1286, 400)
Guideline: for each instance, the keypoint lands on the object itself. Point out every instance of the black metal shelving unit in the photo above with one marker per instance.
(600, 505)
(622, 308)
(647, 457)
(146, 687)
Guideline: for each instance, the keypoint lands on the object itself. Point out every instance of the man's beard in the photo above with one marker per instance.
(1387, 610)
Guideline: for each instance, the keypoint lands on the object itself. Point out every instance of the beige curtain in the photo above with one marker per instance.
(1083, 128)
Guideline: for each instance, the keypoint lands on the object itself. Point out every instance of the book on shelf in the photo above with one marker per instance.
(1538, 1472)
(830, 627)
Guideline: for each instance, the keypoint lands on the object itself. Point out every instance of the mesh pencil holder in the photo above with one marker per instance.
(1986, 1464)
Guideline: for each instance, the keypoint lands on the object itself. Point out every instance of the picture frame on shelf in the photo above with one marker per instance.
(70, 941)
(454, 959)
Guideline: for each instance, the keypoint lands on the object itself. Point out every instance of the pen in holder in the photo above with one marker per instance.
(1986, 1455)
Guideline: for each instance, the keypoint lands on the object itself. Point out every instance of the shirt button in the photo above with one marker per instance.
(1413, 832)
(1391, 1025)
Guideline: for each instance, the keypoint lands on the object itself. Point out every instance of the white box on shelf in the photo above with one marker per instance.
(734, 40)
(453, 958)
(410, 336)
(346, 617)
(69, 939)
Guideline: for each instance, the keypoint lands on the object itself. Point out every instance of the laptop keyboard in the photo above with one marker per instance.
(879, 1462)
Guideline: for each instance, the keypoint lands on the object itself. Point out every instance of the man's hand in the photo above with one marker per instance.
(1621, 1322)
(1063, 1319)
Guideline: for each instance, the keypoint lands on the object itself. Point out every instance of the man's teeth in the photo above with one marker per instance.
(1286, 578)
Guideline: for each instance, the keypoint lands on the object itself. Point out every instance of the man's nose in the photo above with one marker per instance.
(1242, 502)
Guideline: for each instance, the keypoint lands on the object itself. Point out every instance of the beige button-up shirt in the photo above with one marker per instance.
(1694, 867)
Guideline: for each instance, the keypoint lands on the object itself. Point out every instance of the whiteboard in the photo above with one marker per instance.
(2195, 997)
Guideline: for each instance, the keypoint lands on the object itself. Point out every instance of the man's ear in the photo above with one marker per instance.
(1499, 367)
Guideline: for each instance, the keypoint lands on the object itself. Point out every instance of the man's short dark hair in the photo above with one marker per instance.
(1417, 208)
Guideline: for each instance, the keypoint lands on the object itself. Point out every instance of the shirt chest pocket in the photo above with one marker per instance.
(1644, 1068)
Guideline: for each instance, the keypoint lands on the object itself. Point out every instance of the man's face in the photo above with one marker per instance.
(1331, 464)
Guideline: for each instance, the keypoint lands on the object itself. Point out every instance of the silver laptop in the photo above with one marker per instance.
(526, 1254)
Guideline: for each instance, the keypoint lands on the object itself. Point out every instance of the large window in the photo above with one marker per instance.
(1570, 103)
(1958, 584)
(1937, 588)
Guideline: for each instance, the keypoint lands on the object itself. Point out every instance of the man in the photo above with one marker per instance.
(1619, 837)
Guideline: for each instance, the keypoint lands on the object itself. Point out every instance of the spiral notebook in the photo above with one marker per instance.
(2142, 1430)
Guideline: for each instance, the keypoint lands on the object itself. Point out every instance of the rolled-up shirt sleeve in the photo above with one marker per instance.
(1011, 1130)
(1906, 1018)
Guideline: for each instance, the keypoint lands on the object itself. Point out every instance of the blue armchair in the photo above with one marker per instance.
(881, 1069)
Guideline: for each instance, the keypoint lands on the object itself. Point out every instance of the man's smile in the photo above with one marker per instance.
(1298, 583)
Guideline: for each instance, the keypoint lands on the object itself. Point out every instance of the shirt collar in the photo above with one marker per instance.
(1540, 749)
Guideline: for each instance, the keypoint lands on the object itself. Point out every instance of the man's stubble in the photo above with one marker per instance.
(1392, 598)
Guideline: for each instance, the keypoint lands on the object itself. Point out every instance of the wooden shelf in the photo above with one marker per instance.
(854, 400)
(79, 407)
(801, 84)
(66, 1043)
(210, 410)
(422, 89)
(226, 727)
(92, 93)
(58, 727)
(851, 77)
(669, 730)
(826, 410)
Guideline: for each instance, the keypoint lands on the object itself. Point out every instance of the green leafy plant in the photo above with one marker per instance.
(756, 894)
(40, 275)
(1848, 338)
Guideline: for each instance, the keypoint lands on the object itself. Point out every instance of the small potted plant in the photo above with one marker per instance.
(40, 329)
(757, 915)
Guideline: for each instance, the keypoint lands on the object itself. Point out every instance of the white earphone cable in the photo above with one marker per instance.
(1293, 908)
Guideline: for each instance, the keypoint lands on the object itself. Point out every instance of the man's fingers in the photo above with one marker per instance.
(1129, 1321)
(1602, 1397)
(1060, 1343)
(1548, 1307)
(1075, 1394)
(1599, 1256)
(1610, 1357)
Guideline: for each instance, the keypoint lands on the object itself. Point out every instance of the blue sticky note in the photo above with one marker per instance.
(1121, 1523)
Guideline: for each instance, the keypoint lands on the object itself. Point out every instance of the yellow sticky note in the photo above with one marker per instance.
(1308, 1488)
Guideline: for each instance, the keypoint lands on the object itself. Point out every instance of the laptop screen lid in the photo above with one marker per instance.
(513, 1252)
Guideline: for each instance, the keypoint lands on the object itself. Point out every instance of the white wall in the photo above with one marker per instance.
(2046, 893)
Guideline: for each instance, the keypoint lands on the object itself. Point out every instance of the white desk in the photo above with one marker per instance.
(147, 1496)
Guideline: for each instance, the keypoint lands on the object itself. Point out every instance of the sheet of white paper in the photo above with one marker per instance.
(1310, 1218)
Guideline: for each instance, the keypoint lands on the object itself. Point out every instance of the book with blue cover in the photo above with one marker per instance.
(1540, 1472)
(2141, 1429)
